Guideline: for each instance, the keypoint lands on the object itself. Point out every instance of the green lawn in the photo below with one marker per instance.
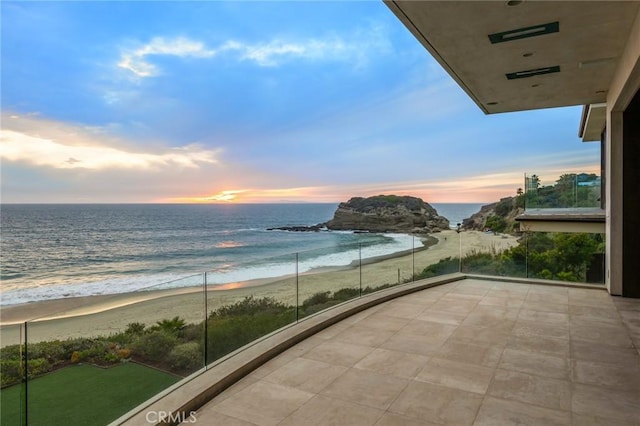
(84, 395)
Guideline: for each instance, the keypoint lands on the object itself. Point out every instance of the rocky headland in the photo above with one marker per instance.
(382, 213)
(499, 216)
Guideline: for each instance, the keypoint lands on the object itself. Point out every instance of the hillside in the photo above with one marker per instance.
(499, 216)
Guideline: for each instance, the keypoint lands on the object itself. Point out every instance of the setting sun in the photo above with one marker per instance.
(228, 196)
(222, 196)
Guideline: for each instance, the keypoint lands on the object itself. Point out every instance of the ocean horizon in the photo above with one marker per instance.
(53, 251)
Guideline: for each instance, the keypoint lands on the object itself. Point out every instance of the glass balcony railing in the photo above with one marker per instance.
(567, 191)
(239, 313)
(12, 375)
(91, 365)
(440, 255)
(559, 256)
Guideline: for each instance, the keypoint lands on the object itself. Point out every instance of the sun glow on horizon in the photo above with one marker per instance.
(483, 188)
(228, 196)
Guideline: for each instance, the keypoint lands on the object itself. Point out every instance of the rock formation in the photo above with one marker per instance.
(387, 213)
(507, 209)
(312, 228)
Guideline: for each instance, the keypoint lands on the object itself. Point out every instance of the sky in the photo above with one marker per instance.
(251, 102)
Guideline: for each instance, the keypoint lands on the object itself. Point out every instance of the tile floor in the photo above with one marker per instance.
(473, 352)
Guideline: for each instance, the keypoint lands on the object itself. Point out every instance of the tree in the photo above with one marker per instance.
(496, 223)
(172, 326)
(566, 190)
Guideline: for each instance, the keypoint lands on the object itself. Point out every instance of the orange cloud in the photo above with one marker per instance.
(469, 189)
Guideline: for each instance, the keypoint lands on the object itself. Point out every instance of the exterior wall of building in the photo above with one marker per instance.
(631, 199)
(620, 252)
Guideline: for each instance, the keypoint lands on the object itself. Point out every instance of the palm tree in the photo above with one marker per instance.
(173, 326)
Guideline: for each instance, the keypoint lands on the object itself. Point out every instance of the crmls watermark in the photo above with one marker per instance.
(155, 417)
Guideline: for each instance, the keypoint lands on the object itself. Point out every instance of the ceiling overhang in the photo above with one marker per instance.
(594, 118)
(533, 55)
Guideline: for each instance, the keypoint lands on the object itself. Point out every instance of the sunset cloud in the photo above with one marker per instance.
(62, 146)
(252, 102)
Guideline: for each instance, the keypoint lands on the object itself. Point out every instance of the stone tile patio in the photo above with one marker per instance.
(472, 352)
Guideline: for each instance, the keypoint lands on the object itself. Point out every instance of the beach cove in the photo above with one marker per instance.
(107, 314)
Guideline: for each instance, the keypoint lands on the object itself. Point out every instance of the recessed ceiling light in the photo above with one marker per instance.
(535, 85)
(527, 55)
(536, 30)
(531, 73)
(514, 2)
(599, 92)
(492, 103)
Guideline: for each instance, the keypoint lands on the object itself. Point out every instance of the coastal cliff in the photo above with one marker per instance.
(387, 213)
(499, 216)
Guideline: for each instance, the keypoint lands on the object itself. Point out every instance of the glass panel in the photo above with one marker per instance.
(439, 255)
(113, 353)
(239, 312)
(491, 253)
(328, 276)
(378, 274)
(13, 409)
(569, 190)
(577, 257)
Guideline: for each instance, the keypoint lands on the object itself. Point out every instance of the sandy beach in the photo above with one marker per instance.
(104, 315)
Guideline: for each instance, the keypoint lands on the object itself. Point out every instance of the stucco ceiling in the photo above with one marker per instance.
(590, 38)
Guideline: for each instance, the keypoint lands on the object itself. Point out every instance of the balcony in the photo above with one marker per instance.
(571, 203)
(469, 352)
(428, 313)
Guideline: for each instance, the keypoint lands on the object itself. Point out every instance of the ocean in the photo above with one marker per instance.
(53, 251)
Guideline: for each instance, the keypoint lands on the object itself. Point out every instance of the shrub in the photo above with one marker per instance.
(186, 357)
(346, 293)
(10, 372)
(154, 346)
(249, 306)
(96, 351)
(496, 223)
(567, 276)
(135, 328)
(369, 289)
(111, 358)
(444, 266)
(123, 353)
(317, 299)
(37, 367)
(193, 332)
(53, 351)
(482, 263)
(226, 334)
(504, 207)
(545, 274)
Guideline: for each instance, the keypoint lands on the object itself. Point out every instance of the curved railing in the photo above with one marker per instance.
(89, 363)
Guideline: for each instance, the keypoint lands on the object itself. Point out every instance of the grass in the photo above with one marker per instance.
(84, 395)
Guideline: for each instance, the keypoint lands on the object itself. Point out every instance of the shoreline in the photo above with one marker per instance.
(106, 314)
(92, 304)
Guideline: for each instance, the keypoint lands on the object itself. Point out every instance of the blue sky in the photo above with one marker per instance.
(251, 102)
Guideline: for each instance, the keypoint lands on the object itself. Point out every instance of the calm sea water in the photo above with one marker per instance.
(55, 251)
